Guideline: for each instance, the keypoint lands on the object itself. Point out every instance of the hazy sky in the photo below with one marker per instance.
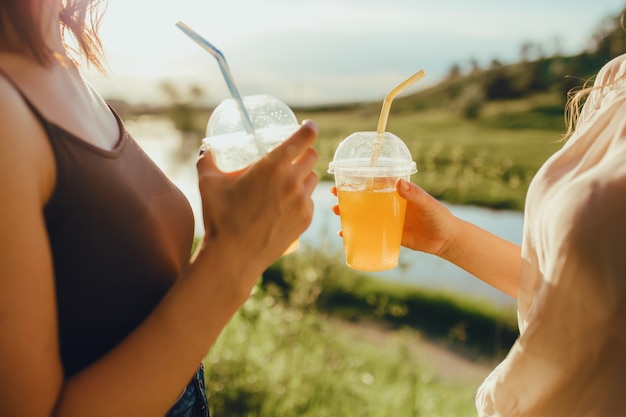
(328, 51)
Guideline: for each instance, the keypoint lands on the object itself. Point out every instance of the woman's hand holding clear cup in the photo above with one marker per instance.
(266, 206)
(429, 225)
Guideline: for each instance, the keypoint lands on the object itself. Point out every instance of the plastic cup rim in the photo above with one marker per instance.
(408, 168)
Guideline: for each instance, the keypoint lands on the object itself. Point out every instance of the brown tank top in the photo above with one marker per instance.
(120, 234)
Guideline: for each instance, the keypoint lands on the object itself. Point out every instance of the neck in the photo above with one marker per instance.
(51, 27)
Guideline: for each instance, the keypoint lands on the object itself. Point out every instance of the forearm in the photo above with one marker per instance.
(494, 260)
(145, 373)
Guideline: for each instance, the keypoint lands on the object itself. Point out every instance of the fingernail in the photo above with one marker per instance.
(405, 185)
(310, 124)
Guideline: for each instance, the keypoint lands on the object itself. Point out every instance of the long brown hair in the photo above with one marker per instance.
(20, 29)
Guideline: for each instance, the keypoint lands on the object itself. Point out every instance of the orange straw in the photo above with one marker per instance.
(384, 114)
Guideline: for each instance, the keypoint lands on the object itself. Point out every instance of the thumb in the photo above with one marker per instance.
(409, 191)
(206, 163)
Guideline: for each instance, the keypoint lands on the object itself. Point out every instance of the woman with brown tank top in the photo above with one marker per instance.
(103, 312)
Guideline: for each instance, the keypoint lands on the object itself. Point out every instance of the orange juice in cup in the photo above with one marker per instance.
(367, 166)
(371, 221)
(371, 211)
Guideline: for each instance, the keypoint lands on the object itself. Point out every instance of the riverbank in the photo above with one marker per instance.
(315, 280)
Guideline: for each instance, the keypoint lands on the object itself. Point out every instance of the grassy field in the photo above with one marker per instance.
(488, 161)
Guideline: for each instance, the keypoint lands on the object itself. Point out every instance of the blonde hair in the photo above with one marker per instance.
(577, 97)
(20, 29)
(575, 101)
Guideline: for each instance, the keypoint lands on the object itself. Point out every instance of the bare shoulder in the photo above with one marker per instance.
(26, 157)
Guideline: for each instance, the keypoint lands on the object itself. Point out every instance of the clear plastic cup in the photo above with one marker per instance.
(229, 141)
(371, 211)
(234, 148)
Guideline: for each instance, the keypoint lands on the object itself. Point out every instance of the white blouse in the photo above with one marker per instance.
(570, 358)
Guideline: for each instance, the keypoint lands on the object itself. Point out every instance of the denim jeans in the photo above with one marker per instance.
(193, 401)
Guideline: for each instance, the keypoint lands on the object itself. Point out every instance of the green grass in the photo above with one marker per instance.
(274, 360)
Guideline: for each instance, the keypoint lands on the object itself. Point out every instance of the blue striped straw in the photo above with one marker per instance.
(230, 82)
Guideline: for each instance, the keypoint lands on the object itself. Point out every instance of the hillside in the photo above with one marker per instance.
(479, 136)
(533, 73)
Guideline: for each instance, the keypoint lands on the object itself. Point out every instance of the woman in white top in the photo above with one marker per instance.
(569, 275)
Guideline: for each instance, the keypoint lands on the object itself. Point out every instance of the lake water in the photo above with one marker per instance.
(165, 145)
